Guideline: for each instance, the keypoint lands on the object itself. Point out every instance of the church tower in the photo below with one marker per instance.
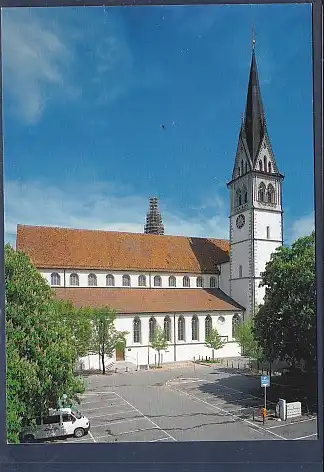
(154, 223)
(256, 216)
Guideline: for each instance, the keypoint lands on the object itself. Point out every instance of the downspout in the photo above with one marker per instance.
(174, 338)
(64, 278)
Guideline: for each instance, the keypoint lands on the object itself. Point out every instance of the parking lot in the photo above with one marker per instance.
(161, 406)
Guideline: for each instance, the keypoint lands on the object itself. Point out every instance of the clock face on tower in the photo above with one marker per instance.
(240, 221)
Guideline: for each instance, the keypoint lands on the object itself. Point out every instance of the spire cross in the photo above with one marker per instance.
(253, 37)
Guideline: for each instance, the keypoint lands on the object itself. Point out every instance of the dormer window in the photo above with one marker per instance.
(269, 167)
(260, 166)
(265, 163)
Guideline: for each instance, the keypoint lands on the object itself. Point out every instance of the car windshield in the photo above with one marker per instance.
(76, 413)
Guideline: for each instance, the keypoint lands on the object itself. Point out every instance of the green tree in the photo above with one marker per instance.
(41, 354)
(105, 338)
(159, 342)
(285, 325)
(245, 337)
(214, 341)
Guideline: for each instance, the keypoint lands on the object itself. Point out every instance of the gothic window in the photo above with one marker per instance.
(110, 280)
(172, 281)
(186, 281)
(260, 166)
(236, 322)
(246, 167)
(212, 282)
(141, 281)
(261, 192)
(269, 167)
(126, 281)
(137, 330)
(270, 194)
(92, 280)
(152, 326)
(244, 192)
(55, 279)
(238, 197)
(167, 328)
(208, 326)
(195, 328)
(239, 171)
(181, 328)
(199, 282)
(265, 163)
(157, 281)
(240, 271)
(74, 279)
(268, 232)
(242, 166)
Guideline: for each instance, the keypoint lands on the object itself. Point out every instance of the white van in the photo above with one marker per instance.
(59, 423)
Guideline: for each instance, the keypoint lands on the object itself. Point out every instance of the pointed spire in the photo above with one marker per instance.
(154, 223)
(254, 113)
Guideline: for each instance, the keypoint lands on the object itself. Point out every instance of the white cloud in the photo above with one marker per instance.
(98, 206)
(35, 64)
(300, 227)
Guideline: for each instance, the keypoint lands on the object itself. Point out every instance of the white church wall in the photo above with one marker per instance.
(240, 257)
(240, 234)
(118, 278)
(264, 220)
(224, 283)
(263, 251)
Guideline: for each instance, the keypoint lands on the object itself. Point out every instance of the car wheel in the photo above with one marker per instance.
(78, 433)
(29, 438)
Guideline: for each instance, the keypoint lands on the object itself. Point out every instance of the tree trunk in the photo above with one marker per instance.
(213, 355)
(159, 356)
(103, 362)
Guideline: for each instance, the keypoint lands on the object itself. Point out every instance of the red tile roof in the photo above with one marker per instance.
(59, 248)
(138, 300)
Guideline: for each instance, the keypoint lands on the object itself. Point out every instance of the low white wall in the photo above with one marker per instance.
(141, 355)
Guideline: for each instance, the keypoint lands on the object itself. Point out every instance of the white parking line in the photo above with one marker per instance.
(116, 422)
(304, 437)
(289, 424)
(100, 401)
(148, 419)
(111, 414)
(91, 394)
(252, 425)
(93, 439)
(161, 439)
(104, 407)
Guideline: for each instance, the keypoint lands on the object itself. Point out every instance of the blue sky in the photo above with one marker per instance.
(86, 91)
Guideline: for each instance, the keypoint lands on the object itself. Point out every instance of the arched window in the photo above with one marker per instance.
(212, 282)
(181, 328)
(110, 280)
(167, 328)
(126, 281)
(172, 281)
(265, 163)
(238, 197)
(195, 328)
(186, 281)
(269, 167)
(261, 192)
(92, 280)
(152, 326)
(137, 330)
(236, 321)
(244, 194)
(260, 166)
(208, 326)
(55, 279)
(74, 279)
(240, 271)
(270, 194)
(141, 281)
(199, 282)
(157, 281)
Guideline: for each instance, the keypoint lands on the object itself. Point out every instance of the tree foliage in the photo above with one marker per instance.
(41, 352)
(214, 340)
(105, 338)
(285, 325)
(159, 342)
(245, 337)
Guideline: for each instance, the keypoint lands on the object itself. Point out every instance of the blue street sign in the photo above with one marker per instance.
(265, 380)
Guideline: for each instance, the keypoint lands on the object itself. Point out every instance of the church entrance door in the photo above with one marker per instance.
(120, 353)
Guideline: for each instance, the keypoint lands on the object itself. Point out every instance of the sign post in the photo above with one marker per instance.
(265, 382)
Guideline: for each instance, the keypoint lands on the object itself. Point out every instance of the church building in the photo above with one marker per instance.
(185, 285)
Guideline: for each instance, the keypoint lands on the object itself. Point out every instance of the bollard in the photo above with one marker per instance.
(232, 365)
(126, 369)
(116, 370)
(238, 366)
(226, 362)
